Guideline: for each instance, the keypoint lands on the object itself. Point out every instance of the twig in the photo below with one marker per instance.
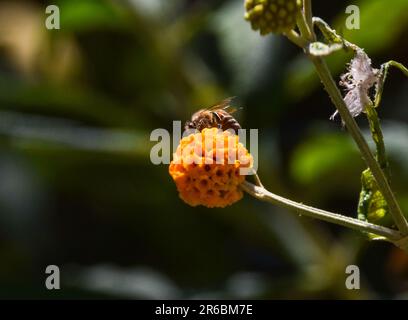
(265, 195)
(383, 185)
(331, 35)
(304, 27)
(378, 138)
(383, 76)
(307, 9)
(296, 39)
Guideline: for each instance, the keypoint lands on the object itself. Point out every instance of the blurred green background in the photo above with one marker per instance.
(78, 190)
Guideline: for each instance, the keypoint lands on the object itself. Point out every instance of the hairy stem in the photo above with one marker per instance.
(375, 167)
(372, 116)
(336, 97)
(264, 195)
(383, 185)
(378, 138)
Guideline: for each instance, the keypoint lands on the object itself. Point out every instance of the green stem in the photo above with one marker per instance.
(383, 185)
(304, 28)
(307, 9)
(383, 76)
(336, 97)
(264, 195)
(375, 127)
(378, 138)
(293, 36)
(372, 115)
(331, 35)
(399, 66)
(307, 13)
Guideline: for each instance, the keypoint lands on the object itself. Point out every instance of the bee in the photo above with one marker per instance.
(217, 116)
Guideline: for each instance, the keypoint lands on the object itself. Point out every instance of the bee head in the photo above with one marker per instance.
(189, 125)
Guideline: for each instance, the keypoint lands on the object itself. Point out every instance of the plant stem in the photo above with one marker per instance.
(335, 95)
(383, 76)
(373, 119)
(330, 35)
(293, 36)
(378, 138)
(304, 27)
(307, 10)
(399, 66)
(264, 195)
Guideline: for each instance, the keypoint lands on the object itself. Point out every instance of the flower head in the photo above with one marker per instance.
(358, 81)
(206, 168)
(276, 16)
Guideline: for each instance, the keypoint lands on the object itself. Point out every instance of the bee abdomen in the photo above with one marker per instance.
(230, 122)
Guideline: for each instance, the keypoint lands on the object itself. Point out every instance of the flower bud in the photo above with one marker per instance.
(272, 16)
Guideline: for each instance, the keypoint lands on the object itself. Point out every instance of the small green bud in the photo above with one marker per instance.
(372, 206)
(272, 16)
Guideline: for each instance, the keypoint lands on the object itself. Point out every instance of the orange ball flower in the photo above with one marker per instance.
(206, 168)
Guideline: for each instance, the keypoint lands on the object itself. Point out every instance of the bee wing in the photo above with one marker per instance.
(224, 104)
(231, 109)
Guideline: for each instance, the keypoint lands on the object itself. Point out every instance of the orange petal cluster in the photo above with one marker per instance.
(206, 168)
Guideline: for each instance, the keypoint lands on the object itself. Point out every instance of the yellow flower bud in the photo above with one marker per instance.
(272, 16)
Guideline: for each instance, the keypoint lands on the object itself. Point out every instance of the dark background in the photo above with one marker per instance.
(78, 190)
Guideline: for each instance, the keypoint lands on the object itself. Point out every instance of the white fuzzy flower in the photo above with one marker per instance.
(358, 81)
